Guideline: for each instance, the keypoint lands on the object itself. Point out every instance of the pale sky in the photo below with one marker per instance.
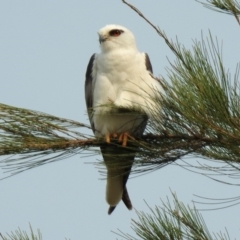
(45, 47)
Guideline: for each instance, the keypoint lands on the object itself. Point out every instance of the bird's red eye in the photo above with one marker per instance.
(115, 33)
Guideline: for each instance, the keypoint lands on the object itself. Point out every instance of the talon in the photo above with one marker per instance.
(107, 138)
(114, 135)
(120, 139)
(124, 138)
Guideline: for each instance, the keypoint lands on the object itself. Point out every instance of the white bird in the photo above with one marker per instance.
(119, 92)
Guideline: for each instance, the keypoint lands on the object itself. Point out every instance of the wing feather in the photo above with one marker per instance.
(148, 63)
(89, 89)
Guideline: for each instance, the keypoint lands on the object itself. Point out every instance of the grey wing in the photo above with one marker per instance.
(89, 90)
(148, 63)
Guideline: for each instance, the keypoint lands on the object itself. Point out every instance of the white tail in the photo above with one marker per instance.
(114, 189)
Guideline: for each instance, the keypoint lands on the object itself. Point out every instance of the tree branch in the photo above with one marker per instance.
(224, 6)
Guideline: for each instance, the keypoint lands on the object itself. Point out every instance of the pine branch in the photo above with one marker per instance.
(171, 222)
(224, 6)
(32, 139)
(218, 203)
(200, 101)
(22, 235)
(41, 138)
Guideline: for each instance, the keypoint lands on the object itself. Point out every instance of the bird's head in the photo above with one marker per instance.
(112, 37)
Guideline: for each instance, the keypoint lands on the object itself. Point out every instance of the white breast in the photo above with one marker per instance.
(121, 79)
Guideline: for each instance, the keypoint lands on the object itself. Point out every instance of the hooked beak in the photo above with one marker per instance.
(102, 39)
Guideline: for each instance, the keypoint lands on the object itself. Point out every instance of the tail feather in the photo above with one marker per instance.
(118, 170)
(114, 188)
(125, 199)
(111, 209)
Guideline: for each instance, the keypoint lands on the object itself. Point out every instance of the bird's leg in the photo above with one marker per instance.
(108, 137)
(124, 138)
(114, 135)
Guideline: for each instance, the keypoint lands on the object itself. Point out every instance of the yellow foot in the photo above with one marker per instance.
(108, 137)
(124, 138)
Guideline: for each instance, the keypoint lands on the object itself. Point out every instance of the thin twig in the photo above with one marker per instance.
(160, 32)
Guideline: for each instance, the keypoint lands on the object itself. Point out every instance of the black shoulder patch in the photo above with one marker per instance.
(88, 83)
(148, 63)
(89, 90)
